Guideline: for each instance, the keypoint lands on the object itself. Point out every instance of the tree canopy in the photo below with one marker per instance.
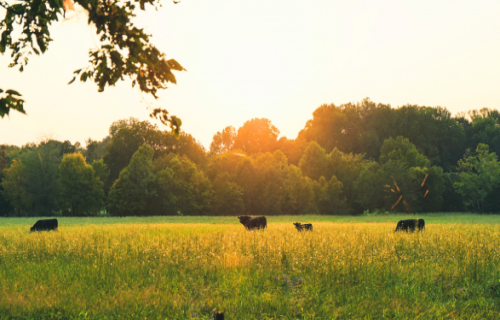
(147, 171)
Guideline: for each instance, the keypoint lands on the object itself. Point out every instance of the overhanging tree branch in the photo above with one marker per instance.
(125, 50)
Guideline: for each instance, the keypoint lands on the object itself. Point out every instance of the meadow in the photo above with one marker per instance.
(184, 267)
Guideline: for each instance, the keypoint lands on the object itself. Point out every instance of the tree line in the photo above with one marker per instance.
(348, 159)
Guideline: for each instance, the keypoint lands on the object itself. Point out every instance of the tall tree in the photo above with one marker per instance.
(81, 193)
(42, 171)
(181, 188)
(410, 183)
(256, 135)
(223, 141)
(134, 188)
(228, 196)
(479, 174)
(14, 188)
(314, 163)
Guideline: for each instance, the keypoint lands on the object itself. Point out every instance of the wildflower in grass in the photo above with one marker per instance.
(297, 281)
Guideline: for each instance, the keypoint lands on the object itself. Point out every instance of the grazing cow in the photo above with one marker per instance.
(409, 225)
(253, 222)
(45, 225)
(302, 226)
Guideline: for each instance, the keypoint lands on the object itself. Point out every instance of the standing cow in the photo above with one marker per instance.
(251, 223)
(410, 225)
(45, 225)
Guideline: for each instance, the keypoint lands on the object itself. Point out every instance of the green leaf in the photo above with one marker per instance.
(13, 92)
(175, 65)
(72, 80)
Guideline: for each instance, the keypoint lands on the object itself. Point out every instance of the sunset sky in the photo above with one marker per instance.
(278, 59)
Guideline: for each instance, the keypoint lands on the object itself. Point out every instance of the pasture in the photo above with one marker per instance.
(184, 267)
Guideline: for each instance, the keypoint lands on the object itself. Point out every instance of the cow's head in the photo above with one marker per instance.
(244, 220)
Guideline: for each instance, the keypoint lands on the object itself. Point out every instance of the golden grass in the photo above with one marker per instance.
(183, 271)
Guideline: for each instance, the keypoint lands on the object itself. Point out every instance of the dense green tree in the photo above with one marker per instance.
(293, 149)
(42, 173)
(14, 188)
(223, 141)
(101, 171)
(270, 180)
(246, 176)
(95, 149)
(314, 163)
(256, 135)
(134, 188)
(363, 127)
(226, 162)
(298, 193)
(181, 188)
(484, 128)
(479, 174)
(5, 207)
(81, 192)
(329, 198)
(126, 136)
(346, 168)
(368, 190)
(227, 196)
(411, 184)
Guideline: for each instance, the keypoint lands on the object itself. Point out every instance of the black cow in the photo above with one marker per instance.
(410, 225)
(45, 225)
(302, 226)
(253, 222)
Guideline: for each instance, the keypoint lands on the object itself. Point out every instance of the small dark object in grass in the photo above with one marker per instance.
(253, 222)
(410, 225)
(218, 315)
(303, 226)
(45, 225)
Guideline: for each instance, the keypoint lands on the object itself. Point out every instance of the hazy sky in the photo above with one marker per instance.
(278, 59)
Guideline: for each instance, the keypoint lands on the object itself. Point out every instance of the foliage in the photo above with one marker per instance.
(124, 50)
(411, 184)
(95, 149)
(81, 192)
(101, 171)
(10, 101)
(181, 188)
(363, 127)
(368, 191)
(126, 136)
(223, 141)
(256, 135)
(228, 196)
(14, 188)
(42, 174)
(314, 163)
(298, 193)
(329, 197)
(478, 175)
(134, 188)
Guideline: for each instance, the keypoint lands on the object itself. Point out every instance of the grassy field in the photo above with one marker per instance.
(184, 267)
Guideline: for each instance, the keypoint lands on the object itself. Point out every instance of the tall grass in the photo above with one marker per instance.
(183, 271)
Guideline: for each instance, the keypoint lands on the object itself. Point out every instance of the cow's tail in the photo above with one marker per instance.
(265, 223)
